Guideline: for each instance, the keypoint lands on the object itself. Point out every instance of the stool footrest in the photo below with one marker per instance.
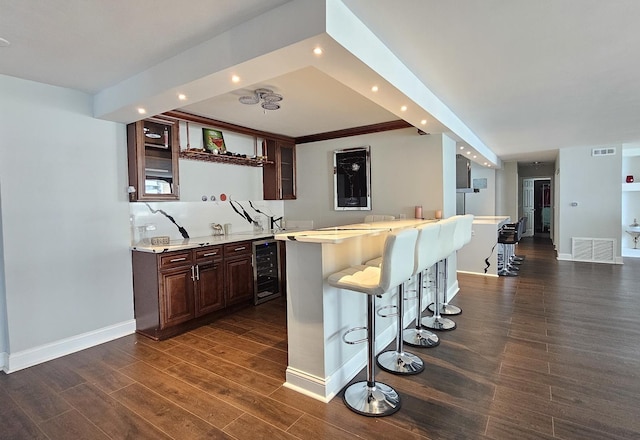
(354, 342)
(390, 306)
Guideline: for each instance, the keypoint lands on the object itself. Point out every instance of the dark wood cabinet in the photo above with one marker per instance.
(177, 303)
(153, 150)
(175, 291)
(279, 174)
(171, 290)
(209, 293)
(238, 262)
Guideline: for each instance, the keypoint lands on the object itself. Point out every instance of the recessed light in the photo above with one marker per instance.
(142, 111)
(182, 97)
(468, 152)
(403, 108)
(235, 79)
(423, 122)
(4, 43)
(485, 163)
(317, 51)
(462, 148)
(475, 157)
(374, 88)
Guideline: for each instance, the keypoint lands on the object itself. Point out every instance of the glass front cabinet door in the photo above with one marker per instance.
(153, 149)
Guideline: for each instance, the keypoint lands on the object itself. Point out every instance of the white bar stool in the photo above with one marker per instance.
(462, 236)
(445, 248)
(426, 256)
(369, 397)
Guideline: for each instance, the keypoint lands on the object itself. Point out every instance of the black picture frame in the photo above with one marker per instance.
(352, 179)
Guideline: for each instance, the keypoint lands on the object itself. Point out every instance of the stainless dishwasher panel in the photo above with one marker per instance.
(266, 270)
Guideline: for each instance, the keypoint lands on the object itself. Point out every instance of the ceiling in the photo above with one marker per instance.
(517, 78)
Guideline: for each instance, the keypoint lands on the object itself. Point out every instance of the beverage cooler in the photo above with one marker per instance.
(266, 270)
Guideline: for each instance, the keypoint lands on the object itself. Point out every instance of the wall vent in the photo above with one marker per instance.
(597, 250)
(608, 151)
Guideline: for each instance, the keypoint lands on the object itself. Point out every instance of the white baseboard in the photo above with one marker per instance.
(569, 257)
(325, 389)
(480, 274)
(37, 355)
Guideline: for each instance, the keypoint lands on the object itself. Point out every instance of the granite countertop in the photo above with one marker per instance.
(338, 234)
(490, 219)
(196, 242)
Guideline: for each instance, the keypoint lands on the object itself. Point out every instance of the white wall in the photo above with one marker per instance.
(594, 184)
(484, 201)
(4, 344)
(406, 171)
(447, 175)
(507, 190)
(65, 222)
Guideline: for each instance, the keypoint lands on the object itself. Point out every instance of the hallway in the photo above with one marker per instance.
(553, 353)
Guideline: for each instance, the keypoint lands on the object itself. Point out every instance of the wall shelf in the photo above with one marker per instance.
(221, 158)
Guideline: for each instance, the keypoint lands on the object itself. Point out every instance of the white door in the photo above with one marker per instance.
(528, 207)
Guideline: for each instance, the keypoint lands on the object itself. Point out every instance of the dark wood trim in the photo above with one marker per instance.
(355, 131)
(184, 116)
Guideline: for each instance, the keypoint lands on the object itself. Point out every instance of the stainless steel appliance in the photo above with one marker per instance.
(266, 270)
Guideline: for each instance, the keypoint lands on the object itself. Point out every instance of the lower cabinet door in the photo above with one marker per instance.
(239, 277)
(210, 287)
(176, 297)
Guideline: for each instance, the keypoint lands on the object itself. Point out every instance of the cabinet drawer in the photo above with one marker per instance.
(209, 252)
(239, 248)
(175, 259)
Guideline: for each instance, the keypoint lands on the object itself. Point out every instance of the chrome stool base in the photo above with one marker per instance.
(400, 363)
(374, 401)
(446, 309)
(438, 323)
(420, 337)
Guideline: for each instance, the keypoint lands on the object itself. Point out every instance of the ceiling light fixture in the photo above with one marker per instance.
(423, 122)
(374, 89)
(142, 111)
(403, 108)
(235, 79)
(182, 97)
(267, 96)
(317, 51)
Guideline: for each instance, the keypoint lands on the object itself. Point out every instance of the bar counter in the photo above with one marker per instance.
(480, 255)
(320, 363)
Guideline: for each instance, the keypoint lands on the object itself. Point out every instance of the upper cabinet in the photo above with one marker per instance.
(279, 174)
(153, 150)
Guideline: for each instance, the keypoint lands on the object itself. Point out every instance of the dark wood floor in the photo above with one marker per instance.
(553, 353)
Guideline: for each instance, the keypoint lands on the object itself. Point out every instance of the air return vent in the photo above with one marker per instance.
(597, 250)
(608, 151)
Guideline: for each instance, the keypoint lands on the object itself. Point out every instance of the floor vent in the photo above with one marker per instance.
(598, 250)
(608, 151)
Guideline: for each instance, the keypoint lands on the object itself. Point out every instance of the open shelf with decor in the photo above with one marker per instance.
(195, 154)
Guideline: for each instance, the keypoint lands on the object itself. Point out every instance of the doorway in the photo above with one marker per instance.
(537, 206)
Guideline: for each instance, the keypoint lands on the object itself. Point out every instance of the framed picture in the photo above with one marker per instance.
(213, 141)
(352, 179)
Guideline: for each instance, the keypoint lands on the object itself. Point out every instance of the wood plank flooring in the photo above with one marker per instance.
(553, 353)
